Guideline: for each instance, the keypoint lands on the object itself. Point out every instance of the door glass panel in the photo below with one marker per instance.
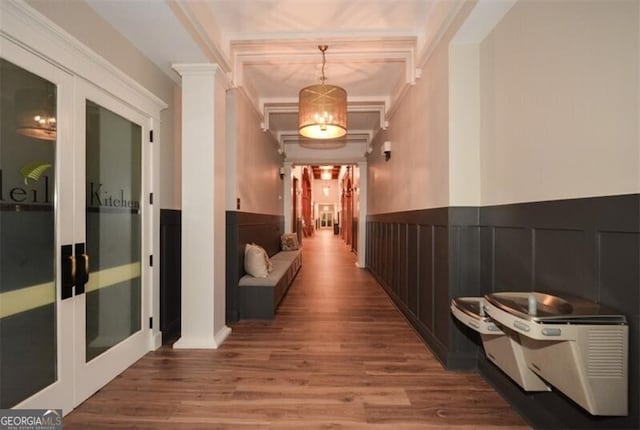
(28, 341)
(113, 230)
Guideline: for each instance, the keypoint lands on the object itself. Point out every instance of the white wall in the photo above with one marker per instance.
(79, 20)
(257, 162)
(559, 102)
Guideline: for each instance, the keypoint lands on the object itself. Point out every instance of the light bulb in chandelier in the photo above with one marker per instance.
(36, 113)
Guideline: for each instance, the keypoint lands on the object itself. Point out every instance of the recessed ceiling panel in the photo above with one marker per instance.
(248, 18)
(359, 79)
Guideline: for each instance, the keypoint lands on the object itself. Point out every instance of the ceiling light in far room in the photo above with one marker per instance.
(325, 173)
(36, 113)
(322, 108)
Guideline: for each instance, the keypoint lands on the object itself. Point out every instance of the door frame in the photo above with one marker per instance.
(61, 391)
(24, 27)
(92, 375)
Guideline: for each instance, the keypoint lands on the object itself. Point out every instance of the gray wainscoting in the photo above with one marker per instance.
(170, 274)
(587, 247)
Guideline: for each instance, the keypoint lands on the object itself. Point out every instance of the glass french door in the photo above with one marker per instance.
(326, 216)
(72, 282)
(112, 335)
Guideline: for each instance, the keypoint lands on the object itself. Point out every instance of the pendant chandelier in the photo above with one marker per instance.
(322, 109)
(36, 116)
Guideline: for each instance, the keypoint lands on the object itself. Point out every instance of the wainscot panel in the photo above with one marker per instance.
(418, 259)
(588, 247)
(170, 274)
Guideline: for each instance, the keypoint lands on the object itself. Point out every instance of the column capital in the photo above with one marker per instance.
(202, 69)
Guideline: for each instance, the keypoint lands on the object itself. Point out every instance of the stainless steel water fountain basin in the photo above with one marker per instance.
(554, 309)
(470, 311)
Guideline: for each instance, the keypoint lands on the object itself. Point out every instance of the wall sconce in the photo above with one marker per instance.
(282, 173)
(386, 150)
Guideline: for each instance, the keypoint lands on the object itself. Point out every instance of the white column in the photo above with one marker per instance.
(362, 216)
(287, 186)
(203, 206)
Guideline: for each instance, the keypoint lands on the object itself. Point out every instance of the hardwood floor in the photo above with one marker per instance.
(338, 355)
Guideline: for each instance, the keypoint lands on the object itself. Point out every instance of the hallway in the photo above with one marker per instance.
(338, 355)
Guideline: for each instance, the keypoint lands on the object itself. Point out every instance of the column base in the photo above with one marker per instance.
(218, 339)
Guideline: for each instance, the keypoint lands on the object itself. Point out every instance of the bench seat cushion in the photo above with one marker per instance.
(282, 262)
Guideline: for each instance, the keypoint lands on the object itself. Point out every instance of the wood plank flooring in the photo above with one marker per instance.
(337, 356)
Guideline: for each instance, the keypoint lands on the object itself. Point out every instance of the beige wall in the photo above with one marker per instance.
(464, 125)
(559, 102)
(417, 175)
(257, 162)
(546, 107)
(79, 20)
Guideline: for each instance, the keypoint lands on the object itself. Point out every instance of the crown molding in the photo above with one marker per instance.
(28, 28)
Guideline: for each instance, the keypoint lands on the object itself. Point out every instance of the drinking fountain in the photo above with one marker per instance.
(577, 346)
(501, 348)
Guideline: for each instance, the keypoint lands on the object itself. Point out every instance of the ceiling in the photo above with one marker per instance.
(332, 170)
(269, 49)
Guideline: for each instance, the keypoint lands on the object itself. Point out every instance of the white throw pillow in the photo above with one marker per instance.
(256, 261)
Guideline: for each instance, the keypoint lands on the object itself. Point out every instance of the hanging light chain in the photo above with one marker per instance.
(322, 49)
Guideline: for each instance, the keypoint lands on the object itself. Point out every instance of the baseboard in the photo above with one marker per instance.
(203, 343)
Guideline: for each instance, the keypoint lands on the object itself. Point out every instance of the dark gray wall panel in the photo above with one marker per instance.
(561, 263)
(170, 274)
(441, 298)
(412, 268)
(464, 275)
(619, 255)
(425, 280)
(513, 259)
(411, 257)
(588, 247)
(487, 277)
(402, 275)
(464, 264)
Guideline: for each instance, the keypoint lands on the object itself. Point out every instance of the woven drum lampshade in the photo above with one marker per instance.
(322, 109)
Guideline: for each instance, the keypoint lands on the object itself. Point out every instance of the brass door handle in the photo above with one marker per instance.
(72, 261)
(85, 257)
(82, 268)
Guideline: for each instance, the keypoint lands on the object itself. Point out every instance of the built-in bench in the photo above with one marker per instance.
(257, 301)
(259, 297)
